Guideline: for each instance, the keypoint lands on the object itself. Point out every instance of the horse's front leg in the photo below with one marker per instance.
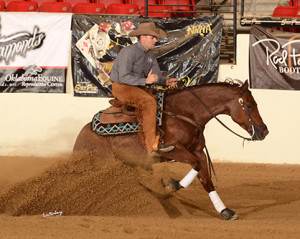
(205, 180)
(198, 161)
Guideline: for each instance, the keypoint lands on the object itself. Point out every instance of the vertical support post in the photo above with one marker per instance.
(146, 8)
(242, 8)
(234, 29)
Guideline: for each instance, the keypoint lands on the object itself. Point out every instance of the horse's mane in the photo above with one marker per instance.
(230, 84)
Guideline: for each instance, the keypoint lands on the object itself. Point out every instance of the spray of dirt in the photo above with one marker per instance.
(83, 185)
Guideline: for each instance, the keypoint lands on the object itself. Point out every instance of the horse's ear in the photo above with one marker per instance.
(245, 86)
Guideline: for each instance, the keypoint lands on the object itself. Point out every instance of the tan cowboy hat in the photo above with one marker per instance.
(148, 28)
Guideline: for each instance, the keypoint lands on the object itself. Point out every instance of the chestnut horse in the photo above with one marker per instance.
(186, 113)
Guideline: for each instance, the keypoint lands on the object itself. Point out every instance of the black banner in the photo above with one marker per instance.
(190, 53)
(274, 59)
(33, 79)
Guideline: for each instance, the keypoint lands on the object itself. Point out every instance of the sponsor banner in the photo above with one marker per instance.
(190, 52)
(34, 51)
(274, 59)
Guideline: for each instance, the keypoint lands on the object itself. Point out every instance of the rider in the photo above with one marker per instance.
(135, 67)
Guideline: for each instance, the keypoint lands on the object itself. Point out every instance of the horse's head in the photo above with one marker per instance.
(244, 111)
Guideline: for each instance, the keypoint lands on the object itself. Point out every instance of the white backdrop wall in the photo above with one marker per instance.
(33, 124)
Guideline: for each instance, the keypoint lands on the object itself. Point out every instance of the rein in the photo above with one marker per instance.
(193, 122)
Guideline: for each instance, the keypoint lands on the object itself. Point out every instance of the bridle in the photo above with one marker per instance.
(241, 102)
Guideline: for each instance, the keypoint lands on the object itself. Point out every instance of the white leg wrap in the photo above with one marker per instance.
(216, 200)
(188, 179)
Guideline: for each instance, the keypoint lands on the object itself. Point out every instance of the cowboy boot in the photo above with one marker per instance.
(160, 148)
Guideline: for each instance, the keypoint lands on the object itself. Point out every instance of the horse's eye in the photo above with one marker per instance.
(249, 106)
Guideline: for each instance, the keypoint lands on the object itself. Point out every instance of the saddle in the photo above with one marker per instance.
(121, 119)
(118, 114)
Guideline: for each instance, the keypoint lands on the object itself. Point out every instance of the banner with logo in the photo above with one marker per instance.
(190, 52)
(34, 51)
(274, 59)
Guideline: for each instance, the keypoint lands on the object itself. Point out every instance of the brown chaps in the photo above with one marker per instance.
(143, 101)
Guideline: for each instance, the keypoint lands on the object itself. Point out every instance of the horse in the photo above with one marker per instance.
(186, 112)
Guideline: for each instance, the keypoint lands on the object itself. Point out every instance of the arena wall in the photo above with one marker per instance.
(34, 124)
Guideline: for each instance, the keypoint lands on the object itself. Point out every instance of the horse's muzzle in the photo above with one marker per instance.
(260, 132)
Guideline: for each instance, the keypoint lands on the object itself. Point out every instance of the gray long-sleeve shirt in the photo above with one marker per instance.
(133, 64)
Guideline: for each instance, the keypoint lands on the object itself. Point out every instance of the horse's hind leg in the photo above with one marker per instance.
(205, 180)
(90, 144)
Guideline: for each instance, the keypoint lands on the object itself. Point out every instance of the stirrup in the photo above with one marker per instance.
(165, 149)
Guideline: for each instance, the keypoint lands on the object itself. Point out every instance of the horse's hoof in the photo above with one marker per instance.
(172, 185)
(229, 215)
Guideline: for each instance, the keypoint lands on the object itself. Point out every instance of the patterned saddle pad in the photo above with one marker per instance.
(113, 129)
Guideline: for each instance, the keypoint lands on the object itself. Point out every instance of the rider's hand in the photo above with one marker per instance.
(151, 78)
(172, 82)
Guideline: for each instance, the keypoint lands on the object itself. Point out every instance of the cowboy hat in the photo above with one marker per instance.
(148, 28)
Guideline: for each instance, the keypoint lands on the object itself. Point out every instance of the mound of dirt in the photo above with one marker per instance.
(87, 186)
(265, 196)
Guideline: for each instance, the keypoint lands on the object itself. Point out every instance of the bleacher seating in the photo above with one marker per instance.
(121, 8)
(294, 3)
(42, 1)
(2, 5)
(8, 1)
(286, 11)
(74, 2)
(55, 7)
(108, 2)
(181, 10)
(90, 8)
(141, 3)
(124, 7)
(22, 6)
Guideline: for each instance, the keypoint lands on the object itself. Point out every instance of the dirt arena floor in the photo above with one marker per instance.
(105, 199)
